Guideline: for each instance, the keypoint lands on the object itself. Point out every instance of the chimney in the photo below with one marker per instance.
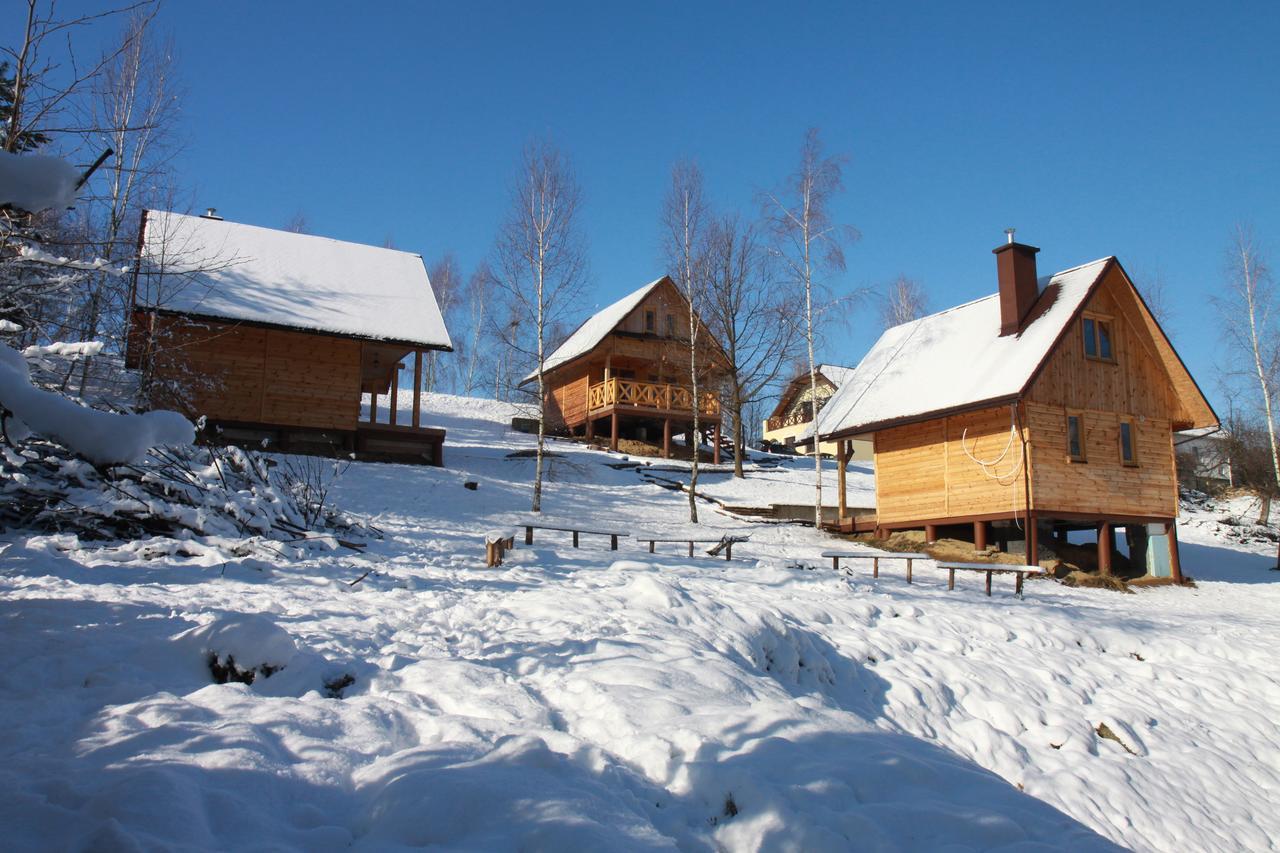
(1016, 266)
(211, 213)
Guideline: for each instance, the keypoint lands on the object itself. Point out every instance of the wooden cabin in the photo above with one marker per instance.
(625, 372)
(793, 417)
(1047, 408)
(285, 338)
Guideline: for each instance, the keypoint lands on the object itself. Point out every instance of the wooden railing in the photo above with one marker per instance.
(801, 414)
(650, 395)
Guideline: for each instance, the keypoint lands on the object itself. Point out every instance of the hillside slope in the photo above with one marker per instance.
(592, 700)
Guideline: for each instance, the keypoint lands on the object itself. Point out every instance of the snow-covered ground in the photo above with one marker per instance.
(595, 700)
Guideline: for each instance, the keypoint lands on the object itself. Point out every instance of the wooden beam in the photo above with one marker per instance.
(666, 438)
(417, 388)
(373, 407)
(842, 459)
(930, 533)
(395, 392)
(1032, 541)
(1104, 548)
(613, 432)
(979, 536)
(715, 443)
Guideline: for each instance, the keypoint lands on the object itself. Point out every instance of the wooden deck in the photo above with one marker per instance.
(653, 397)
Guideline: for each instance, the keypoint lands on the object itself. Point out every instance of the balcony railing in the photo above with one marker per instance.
(650, 395)
(801, 414)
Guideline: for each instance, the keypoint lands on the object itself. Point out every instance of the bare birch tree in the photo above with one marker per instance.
(446, 282)
(540, 263)
(809, 247)
(1247, 307)
(683, 222)
(478, 293)
(904, 301)
(747, 313)
(134, 112)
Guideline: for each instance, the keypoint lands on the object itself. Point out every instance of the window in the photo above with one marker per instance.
(1075, 438)
(1128, 453)
(650, 322)
(1099, 344)
(671, 326)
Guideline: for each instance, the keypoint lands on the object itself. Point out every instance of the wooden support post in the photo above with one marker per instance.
(951, 578)
(835, 564)
(690, 549)
(613, 432)
(1017, 589)
(373, 407)
(528, 535)
(613, 542)
(988, 584)
(930, 533)
(666, 438)
(417, 388)
(842, 458)
(651, 544)
(715, 444)
(875, 567)
(1175, 560)
(1104, 548)
(591, 427)
(395, 392)
(979, 536)
(908, 570)
(1033, 541)
(728, 551)
(575, 539)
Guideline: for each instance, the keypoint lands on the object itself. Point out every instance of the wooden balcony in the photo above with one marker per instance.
(650, 395)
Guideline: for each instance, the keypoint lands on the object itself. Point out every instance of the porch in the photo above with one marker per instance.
(646, 405)
(390, 433)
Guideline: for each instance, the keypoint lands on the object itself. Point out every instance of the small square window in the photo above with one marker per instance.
(1128, 455)
(1075, 438)
(650, 322)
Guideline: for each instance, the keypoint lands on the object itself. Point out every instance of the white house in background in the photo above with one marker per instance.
(797, 406)
(1204, 458)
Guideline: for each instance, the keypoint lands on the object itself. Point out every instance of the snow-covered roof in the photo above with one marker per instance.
(955, 358)
(838, 374)
(214, 268)
(594, 330)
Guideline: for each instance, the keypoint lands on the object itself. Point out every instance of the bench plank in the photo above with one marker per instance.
(989, 569)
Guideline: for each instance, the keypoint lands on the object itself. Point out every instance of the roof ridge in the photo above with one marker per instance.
(237, 224)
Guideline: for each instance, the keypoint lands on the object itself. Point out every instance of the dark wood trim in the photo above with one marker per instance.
(258, 324)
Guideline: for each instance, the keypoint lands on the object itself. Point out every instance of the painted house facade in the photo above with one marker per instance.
(286, 338)
(790, 420)
(625, 372)
(1048, 407)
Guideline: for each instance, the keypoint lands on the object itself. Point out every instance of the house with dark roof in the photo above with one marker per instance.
(284, 338)
(1046, 408)
(625, 372)
(792, 418)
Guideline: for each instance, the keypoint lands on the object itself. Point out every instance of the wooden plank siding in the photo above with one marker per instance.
(258, 375)
(922, 470)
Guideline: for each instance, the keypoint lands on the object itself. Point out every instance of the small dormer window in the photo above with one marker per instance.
(650, 322)
(1099, 343)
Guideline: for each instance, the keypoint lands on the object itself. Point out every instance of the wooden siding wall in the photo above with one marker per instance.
(567, 402)
(1101, 484)
(1136, 385)
(256, 375)
(923, 472)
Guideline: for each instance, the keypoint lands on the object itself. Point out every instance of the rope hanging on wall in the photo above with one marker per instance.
(989, 467)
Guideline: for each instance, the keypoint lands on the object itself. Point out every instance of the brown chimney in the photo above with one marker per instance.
(1016, 265)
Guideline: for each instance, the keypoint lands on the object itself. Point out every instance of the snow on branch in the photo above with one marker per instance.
(36, 255)
(104, 438)
(36, 182)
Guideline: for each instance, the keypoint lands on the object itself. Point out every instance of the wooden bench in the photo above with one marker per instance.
(723, 543)
(991, 569)
(576, 531)
(875, 557)
(496, 545)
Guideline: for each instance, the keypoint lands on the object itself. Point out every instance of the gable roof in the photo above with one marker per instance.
(232, 271)
(604, 322)
(834, 373)
(956, 359)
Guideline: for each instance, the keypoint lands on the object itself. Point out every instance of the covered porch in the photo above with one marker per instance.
(383, 430)
(616, 403)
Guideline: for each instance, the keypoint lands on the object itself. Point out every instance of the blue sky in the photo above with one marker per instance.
(1141, 130)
